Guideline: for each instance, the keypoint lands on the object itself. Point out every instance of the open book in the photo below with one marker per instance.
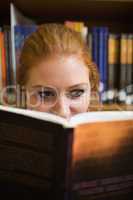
(87, 157)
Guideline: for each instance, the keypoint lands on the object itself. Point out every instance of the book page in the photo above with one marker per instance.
(82, 118)
(100, 116)
(36, 114)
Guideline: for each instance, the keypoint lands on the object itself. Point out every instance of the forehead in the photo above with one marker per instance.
(61, 72)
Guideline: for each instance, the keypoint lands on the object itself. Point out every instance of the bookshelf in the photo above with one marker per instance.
(116, 14)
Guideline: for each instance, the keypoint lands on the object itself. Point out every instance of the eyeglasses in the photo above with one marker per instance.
(49, 95)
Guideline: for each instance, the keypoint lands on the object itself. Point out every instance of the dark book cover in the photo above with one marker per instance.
(33, 157)
(102, 161)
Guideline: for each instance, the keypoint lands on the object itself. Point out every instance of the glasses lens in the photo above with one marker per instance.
(48, 96)
(43, 95)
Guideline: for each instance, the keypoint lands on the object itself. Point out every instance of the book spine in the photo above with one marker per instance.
(10, 60)
(19, 38)
(104, 49)
(6, 42)
(105, 60)
(21, 33)
(113, 67)
(101, 56)
(129, 87)
(4, 71)
(1, 84)
(84, 33)
(27, 30)
(95, 33)
(123, 69)
(89, 43)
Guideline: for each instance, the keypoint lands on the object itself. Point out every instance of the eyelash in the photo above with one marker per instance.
(80, 92)
(45, 94)
(71, 94)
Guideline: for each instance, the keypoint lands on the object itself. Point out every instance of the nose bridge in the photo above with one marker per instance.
(62, 106)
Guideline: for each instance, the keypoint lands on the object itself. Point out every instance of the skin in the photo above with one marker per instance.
(64, 80)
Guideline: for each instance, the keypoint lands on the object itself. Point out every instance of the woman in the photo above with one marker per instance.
(57, 71)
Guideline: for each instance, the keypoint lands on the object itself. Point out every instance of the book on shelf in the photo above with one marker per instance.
(11, 42)
(113, 67)
(123, 68)
(99, 55)
(88, 156)
(129, 72)
(78, 26)
(17, 19)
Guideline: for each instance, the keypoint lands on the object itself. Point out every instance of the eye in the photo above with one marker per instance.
(75, 93)
(47, 95)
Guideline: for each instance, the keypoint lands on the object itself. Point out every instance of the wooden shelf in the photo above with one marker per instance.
(77, 9)
(112, 12)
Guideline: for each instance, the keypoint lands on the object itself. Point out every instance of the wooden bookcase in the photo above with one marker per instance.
(116, 14)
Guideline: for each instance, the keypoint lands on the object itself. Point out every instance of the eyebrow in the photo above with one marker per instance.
(70, 87)
(77, 85)
(36, 86)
